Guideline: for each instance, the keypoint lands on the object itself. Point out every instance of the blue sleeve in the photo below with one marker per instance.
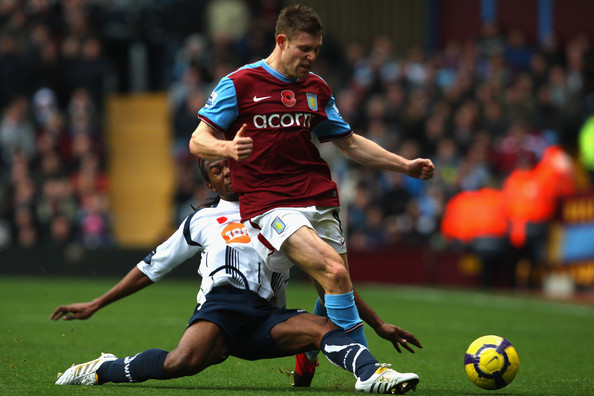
(334, 126)
(221, 107)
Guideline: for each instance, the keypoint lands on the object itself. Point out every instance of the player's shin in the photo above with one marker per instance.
(343, 312)
(347, 354)
(141, 367)
(319, 310)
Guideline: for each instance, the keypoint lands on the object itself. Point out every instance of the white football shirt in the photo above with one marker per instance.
(227, 255)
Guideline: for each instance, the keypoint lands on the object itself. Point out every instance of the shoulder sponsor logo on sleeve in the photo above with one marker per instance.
(212, 99)
(278, 225)
(236, 233)
(149, 257)
(336, 110)
(312, 101)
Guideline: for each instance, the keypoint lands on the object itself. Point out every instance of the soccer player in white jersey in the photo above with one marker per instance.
(240, 311)
(262, 117)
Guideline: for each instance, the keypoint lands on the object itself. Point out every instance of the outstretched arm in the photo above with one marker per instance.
(134, 281)
(397, 336)
(370, 154)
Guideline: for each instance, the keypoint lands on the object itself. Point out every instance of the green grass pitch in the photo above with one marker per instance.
(555, 341)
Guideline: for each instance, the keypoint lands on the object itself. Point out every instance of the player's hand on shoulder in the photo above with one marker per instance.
(241, 146)
(398, 337)
(420, 168)
(74, 311)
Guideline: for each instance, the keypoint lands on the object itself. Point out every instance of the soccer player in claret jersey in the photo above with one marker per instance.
(240, 311)
(262, 117)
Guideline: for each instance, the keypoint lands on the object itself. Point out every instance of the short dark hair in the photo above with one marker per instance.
(202, 168)
(298, 18)
(204, 172)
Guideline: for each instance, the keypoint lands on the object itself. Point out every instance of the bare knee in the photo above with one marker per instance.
(301, 333)
(180, 364)
(325, 326)
(337, 279)
(337, 270)
(328, 325)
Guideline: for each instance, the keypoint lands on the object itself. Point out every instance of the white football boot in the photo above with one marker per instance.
(388, 381)
(84, 373)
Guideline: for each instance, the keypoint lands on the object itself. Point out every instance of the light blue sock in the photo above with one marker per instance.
(343, 312)
(319, 310)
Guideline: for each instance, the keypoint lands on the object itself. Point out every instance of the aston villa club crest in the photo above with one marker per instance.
(288, 98)
(312, 101)
(278, 225)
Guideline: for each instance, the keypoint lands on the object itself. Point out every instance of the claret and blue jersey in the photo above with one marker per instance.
(285, 168)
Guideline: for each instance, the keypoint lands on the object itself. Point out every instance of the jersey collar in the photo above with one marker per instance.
(276, 73)
(227, 204)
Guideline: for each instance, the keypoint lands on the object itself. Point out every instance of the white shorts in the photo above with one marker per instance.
(271, 229)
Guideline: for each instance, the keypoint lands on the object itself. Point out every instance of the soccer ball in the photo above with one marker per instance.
(491, 362)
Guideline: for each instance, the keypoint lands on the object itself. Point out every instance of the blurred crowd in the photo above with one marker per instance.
(480, 109)
(53, 188)
(58, 62)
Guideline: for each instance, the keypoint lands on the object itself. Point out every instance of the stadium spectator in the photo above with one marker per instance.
(490, 41)
(56, 202)
(87, 69)
(517, 51)
(94, 222)
(239, 312)
(477, 221)
(14, 68)
(184, 120)
(530, 194)
(17, 133)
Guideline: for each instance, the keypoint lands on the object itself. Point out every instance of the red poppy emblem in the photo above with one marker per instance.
(221, 220)
(288, 98)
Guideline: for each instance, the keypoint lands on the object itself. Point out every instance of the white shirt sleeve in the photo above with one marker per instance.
(171, 253)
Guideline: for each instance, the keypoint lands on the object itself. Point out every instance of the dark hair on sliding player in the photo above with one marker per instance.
(214, 200)
(202, 168)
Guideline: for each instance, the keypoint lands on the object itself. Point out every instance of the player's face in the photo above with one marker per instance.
(220, 179)
(299, 54)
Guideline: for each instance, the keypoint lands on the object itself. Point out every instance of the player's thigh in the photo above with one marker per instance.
(318, 259)
(305, 248)
(203, 344)
(301, 333)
